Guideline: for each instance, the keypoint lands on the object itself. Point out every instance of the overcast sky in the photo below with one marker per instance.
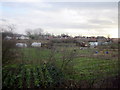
(73, 18)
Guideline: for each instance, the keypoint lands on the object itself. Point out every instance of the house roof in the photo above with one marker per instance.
(92, 40)
(19, 35)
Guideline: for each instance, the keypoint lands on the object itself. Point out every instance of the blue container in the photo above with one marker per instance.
(106, 52)
(96, 52)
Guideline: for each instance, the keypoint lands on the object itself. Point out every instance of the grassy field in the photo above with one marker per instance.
(40, 67)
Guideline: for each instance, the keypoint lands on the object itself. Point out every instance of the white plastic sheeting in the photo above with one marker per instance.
(36, 44)
(21, 44)
(93, 43)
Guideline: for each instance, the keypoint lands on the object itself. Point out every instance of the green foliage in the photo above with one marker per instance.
(45, 69)
(43, 76)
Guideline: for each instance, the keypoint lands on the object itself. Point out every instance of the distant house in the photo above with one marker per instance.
(22, 37)
(8, 38)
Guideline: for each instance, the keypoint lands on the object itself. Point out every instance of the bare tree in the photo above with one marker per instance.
(29, 32)
(8, 46)
(38, 31)
(67, 58)
(34, 33)
(7, 30)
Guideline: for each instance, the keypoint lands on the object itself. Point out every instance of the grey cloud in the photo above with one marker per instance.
(54, 16)
(101, 22)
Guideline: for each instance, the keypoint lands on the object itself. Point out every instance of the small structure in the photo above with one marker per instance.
(93, 44)
(8, 38)
(36, 44)
(21, 37)
(21, 45)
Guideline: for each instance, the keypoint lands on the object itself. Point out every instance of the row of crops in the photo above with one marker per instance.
(27, 76)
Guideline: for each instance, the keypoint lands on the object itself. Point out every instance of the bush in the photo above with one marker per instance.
(8, 51)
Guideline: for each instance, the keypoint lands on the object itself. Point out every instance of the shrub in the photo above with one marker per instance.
(8, 51)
